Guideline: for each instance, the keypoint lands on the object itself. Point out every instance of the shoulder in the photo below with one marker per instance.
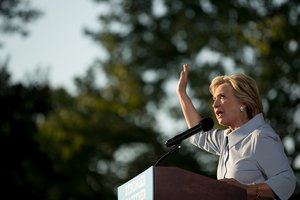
(265, 131)
(264, 138)
(258, 127)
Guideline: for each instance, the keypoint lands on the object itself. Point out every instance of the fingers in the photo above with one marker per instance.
(184, 72)
(228, 180)
(185, 67)
(182, 83)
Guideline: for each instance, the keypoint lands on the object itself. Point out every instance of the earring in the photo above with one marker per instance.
(242, 108)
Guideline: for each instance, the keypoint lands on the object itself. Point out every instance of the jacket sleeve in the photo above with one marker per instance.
(270, 155)
(209, 141)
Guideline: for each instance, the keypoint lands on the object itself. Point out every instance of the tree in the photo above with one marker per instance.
(96, 141)
(15, 15)
(24, 169)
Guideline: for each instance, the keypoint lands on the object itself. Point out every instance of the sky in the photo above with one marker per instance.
(56, 42)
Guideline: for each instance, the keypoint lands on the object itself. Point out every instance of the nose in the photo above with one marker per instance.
(215, 104)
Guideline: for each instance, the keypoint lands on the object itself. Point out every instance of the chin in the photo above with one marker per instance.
(222, 122)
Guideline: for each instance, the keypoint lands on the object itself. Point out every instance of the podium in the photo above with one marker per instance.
(165, 183)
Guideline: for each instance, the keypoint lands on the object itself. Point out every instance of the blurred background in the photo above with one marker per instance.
(88, 87)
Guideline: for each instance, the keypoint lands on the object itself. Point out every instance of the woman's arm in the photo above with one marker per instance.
(260, 191)
(190, 113)
(254, 191)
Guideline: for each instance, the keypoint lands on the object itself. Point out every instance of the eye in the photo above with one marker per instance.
(219, 97)
(222, 98)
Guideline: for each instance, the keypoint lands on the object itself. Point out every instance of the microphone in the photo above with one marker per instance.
(205, 124)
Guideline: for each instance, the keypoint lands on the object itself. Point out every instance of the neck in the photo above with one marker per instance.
(238, 124)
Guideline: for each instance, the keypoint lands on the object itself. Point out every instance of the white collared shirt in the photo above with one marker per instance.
(256, 155)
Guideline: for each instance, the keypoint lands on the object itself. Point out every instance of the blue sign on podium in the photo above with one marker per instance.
(138, 188)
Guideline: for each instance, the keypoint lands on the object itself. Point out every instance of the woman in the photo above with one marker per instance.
(251, 155)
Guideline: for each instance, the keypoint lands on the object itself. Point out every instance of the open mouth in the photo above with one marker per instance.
(219, 113)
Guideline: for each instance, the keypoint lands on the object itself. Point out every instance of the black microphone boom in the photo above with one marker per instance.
(205, 124)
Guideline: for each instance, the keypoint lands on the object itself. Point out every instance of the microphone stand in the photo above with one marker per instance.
(175, 148)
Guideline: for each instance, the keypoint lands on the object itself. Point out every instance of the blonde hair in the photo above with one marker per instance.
(244, 88)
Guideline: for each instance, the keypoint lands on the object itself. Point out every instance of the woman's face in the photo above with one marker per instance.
(227, 107)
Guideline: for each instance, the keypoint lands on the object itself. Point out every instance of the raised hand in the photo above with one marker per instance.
(182, 83)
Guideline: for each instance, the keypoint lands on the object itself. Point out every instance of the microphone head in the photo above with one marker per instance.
(207, 123)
